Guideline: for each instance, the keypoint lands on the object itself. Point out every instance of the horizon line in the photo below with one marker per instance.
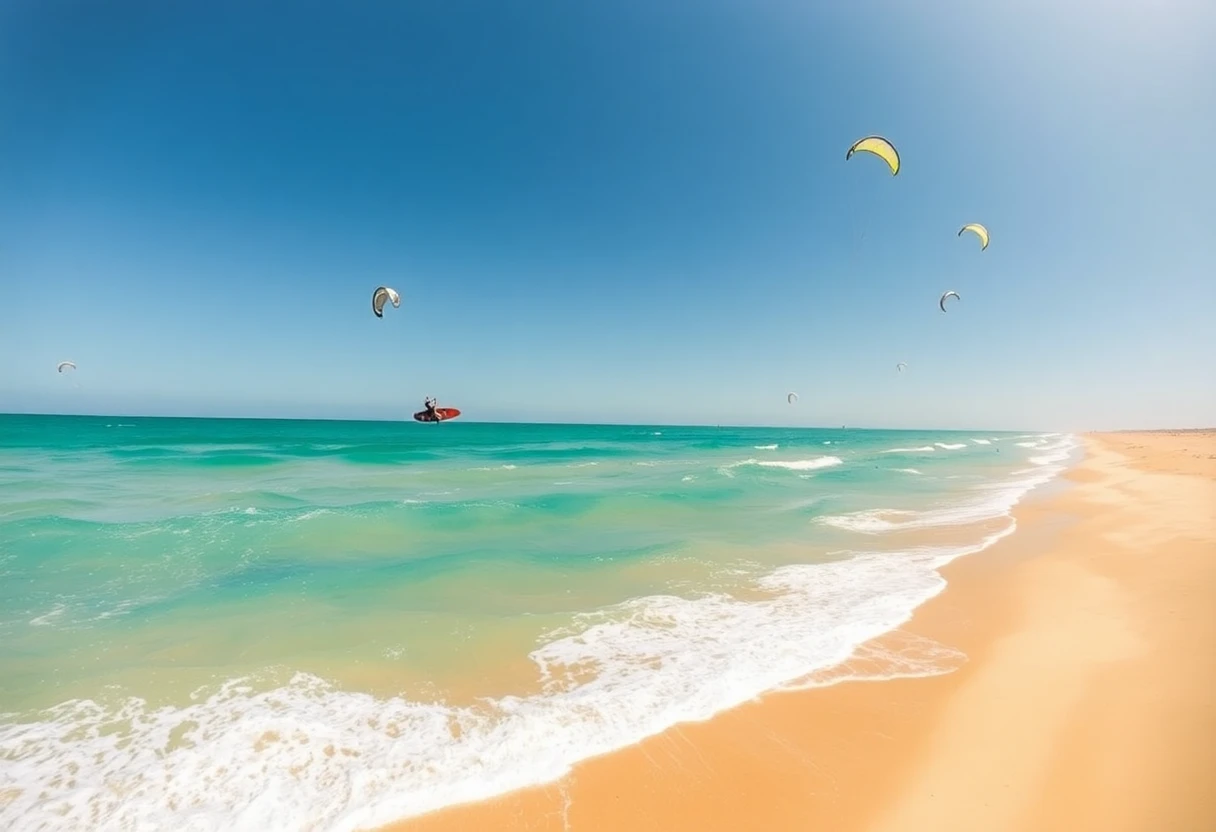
(543, 422)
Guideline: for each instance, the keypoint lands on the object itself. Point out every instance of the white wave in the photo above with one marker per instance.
(982, 441)
(317, 512)
(307, 756)
(880, 521)
(922, 449)
(765, 447)
(906, 470)
(790, 465)
(803, 464)
(46, 618)
(1028, 444)
(119, 609)
(874, 521)
(997, 500)
(489, 504)
(896, 655)
(1057, 452)
(505, 467)
(950, 446)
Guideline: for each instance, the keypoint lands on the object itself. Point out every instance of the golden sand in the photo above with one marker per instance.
(1088, 701)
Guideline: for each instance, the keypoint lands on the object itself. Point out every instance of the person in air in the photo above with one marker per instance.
(430, 409)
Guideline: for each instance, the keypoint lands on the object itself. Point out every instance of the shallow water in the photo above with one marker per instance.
(251, 624)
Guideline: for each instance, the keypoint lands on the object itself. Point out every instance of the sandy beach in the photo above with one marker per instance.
(1086, 701)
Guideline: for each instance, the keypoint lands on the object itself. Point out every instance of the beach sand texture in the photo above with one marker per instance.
(1088, 701)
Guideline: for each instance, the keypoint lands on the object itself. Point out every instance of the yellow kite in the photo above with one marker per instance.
(880, 147)
(979, 231)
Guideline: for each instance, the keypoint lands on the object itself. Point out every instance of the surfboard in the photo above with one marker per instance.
(444, 413)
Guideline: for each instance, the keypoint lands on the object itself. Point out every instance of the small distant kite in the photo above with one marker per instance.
(942, 301)
(880, 147)
(791, 398)
(65, 365)
(900, 366)
(380, 296)
(979, 231)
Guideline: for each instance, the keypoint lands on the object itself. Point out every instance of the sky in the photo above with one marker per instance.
(625, 211)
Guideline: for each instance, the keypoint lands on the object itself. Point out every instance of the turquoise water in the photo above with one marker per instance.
(254, 624)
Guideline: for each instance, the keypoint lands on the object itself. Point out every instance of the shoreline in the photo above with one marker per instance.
(475, 658)
(1055, 641)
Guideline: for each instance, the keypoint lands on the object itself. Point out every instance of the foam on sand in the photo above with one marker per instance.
(991, 501)
(307, 756)
(1056, 452)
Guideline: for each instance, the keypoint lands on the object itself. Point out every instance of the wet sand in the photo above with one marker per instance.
(1088, 700)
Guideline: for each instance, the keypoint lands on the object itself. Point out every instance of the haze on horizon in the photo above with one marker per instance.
(611, 212)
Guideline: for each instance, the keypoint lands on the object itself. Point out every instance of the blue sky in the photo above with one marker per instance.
(625, 211)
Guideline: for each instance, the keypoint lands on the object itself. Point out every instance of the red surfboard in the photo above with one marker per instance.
(443, 414)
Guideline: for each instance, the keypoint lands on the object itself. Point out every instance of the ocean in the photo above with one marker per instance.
(215, 624)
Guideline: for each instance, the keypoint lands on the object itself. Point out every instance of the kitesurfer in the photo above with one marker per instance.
(430, 403)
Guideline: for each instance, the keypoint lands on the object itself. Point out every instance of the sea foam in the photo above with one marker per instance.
(308, 756)
(790, 464)
(987, 502)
